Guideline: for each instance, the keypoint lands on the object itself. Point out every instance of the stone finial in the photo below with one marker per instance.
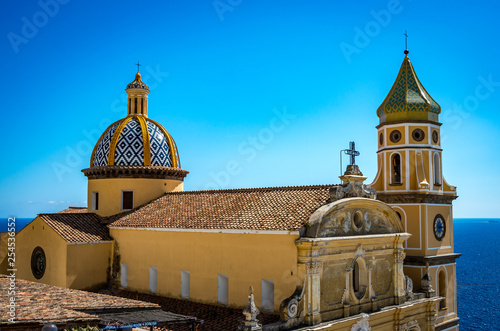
(425, 283)
(352, 186)
(251, 323)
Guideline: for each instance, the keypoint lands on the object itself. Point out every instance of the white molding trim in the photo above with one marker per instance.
(236, 231)
(90, 243)
(385, 171)
(407, 160)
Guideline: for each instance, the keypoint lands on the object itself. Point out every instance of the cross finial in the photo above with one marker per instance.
(138, 65)
(406, 43)
(352, 152)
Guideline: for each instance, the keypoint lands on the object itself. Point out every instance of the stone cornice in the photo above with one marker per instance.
(432, 260)
(396, 198)
(135, 172)
(416, 122)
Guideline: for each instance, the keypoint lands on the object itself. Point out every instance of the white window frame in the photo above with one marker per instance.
(267, 304)
(223, 289)
(124, 275)
(94, 200)
(153, 279)
(185, 284)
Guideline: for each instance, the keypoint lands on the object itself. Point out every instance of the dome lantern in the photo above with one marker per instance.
(137, 100)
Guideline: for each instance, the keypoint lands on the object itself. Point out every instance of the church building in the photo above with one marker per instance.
(353, 256)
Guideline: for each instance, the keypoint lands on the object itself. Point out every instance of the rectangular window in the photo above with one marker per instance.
(95, 200)
(153, 277)
(223, 290)
(268, 295)
(124, 275)
(127, 200)
(185, 280)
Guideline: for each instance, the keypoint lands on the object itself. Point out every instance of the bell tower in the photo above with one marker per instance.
(410, 179)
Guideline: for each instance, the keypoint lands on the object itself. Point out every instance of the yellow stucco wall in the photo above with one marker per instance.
(87, 265)
(242, 257)
(145, 190)
(4, 252)
(37, 233)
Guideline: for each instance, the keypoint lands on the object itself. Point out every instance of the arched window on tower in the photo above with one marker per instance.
(437, 169)
(359, 278)
(442, 289)
(396, 169)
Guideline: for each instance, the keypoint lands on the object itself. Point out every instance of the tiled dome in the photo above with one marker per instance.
(135, 141)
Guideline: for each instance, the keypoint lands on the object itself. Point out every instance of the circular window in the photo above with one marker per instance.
(358, 219)
(395, 136)
(381, 139)
(38, 262)
(435, 136)
(418, 135)
(439, 227)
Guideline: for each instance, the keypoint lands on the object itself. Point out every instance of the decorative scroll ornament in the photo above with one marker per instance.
(290, 307)
(352, 186)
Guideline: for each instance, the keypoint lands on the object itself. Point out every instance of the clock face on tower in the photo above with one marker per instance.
(439, 227)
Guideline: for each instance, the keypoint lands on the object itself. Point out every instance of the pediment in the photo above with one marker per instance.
(353, 217)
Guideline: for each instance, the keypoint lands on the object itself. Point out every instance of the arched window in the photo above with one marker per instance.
(442, 289)
(396, 177)
(359, 278)
(437, 169)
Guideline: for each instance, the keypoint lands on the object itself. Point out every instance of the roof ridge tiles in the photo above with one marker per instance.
(254, 189)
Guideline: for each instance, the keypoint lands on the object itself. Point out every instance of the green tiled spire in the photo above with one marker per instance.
(408, 100)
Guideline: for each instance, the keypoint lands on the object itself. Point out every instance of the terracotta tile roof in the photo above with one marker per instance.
(77, 227)
(39, 303)
(215, 317)
(76, 210)
(274, 208)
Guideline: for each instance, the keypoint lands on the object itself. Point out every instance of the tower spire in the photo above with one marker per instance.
(406, 43)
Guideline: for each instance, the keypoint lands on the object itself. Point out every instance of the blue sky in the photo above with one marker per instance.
(254, 93)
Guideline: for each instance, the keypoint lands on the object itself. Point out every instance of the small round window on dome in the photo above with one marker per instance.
(418, 134)
(435, 137)
(395, 136)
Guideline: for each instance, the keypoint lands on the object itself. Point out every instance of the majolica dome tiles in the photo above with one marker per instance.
(408, 95)
(135, 141)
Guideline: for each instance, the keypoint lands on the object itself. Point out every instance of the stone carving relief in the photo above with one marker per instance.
(352, 186)
(410, 326)
(352, 189)
(409, 288)
(362, 324)
(290, 307)
(355, 221)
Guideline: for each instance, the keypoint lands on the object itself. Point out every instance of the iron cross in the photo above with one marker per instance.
(352, 152)
(138, 65)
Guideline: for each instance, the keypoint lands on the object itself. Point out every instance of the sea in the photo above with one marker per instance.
(478, 286)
